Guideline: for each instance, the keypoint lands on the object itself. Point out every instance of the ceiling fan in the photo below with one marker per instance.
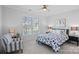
(44, 8)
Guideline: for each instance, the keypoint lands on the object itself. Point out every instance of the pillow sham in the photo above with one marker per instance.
(58, 31)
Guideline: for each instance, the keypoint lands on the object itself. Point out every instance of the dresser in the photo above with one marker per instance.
(74, 37)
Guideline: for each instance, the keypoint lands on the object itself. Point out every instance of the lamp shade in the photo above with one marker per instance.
(12, 31)
(74, 28)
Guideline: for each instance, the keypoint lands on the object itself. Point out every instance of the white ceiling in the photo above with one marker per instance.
(52, 9)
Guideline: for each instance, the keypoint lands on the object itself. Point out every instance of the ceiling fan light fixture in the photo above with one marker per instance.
(44, 8)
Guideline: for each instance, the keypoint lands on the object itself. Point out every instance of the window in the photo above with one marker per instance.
(30, 25)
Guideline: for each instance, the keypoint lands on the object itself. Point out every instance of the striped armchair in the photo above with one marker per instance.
(11, 45)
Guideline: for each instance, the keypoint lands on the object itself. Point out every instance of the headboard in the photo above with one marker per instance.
(62, 25)
(66, 30)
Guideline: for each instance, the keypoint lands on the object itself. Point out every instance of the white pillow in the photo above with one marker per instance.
(57, 31)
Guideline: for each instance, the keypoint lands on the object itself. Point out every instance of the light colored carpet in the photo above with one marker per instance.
(32, 47)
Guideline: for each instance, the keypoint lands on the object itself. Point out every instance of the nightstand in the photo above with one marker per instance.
(18, 43)
(74, 38)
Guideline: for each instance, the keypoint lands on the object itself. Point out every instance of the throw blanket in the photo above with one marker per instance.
(53, 39)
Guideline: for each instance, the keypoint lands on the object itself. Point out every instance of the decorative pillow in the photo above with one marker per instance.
(58, 31)
(47, 32)
(63, 31)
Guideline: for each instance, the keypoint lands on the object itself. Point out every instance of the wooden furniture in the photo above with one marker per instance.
(74, 38)
(13, 44)
(74, 34)
(18, 42)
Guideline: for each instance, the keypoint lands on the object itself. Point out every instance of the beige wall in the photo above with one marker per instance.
(12, 17)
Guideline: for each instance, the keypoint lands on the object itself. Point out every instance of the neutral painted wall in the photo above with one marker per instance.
(0, 20)
(72, 18)
(12, 17)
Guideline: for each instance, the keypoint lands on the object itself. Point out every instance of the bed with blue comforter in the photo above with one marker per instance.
(54, 39)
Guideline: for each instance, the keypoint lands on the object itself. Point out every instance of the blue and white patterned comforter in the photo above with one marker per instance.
(53, 39)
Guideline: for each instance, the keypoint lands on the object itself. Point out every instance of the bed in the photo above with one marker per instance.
(10, 45)
(2, 50)
(57, 37)
(54, 39)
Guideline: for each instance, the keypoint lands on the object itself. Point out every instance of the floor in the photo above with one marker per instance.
(32, 47)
